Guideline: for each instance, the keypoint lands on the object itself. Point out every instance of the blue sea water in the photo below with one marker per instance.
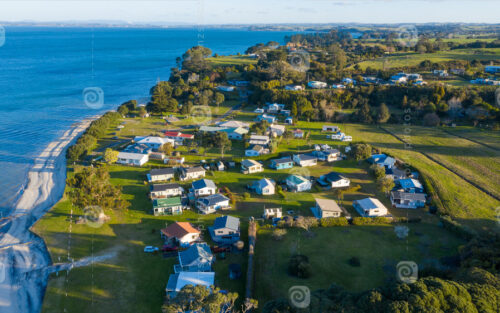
(43, 72)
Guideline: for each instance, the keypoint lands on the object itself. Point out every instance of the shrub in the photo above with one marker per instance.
(370, 220)
(246, 195)
(377, 171)
(333, 221)
(354, 261)
(279, 233)
(299, 266)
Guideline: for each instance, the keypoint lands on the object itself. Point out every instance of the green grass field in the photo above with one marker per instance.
(231, 60)
(413, 59)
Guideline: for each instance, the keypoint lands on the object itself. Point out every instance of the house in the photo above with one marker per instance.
(272, 213)
(407, 200)
(294, 87)
(330, 128)
(153, 142)
(235, 133)
(258, 110)
(282, 163)
(382, 160)
(276, 130)
(347, 138)
(298, 183)
(395, 173)
(289, 120)
(225, 88)
(167, 206)
(348, 81)
(165, 190)
(398, 78)
(328, 155)
(305, 160)
(264, 186)
(255, 150)
(161, 174)
(338, 86)
(196, 258)
(212, 203)
(327, 208)
(274, 107)
(298, 133)
(440, 73)
(178, 137)
(177, 281)
(457, 71)
(220, 166)
(180, 233)
(226, 230)
(173, 160)
(187, 173)
(259, 140)
(139, 148)
(334, 180)
(233, 124)
(410, 185)
(265, 117)
(135, 159)
(317, 85)
(492, 69)
(251, 166)
(370, 207)
(211, 129)
(204, 187)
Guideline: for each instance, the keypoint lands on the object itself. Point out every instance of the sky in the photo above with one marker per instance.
(196, 12)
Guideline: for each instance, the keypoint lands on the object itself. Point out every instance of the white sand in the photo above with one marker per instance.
(23, 255)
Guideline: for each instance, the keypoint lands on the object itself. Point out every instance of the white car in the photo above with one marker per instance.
(151, 249)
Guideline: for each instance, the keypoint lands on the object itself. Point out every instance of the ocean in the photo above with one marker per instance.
(44, 71)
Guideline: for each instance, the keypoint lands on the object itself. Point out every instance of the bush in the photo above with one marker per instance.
(333, 221)
(370, 220)
(246, 195)
(279, 233)
(354, 261)
(299, 266)
(377, 171)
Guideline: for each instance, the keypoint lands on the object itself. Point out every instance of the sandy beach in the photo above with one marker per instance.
(24, 259)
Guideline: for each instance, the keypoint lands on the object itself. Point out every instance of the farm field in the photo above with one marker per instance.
(413, 59)
(329, 249)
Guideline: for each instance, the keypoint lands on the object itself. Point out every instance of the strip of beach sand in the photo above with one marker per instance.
(24, 259)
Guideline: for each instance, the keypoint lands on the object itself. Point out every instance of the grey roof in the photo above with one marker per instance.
(230, 222)
(282, 160)
(257, 148)
(194, 169)
(194, 252)
(332, 177)
(162, 187)
(202, 183)
(213, 199)
(162, 171)
(306, 157)
(408, 196)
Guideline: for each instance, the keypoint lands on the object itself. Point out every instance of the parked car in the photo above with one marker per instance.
(151, 249)
(217, 249)
(167, 248)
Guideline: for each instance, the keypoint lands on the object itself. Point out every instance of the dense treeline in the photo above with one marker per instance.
(88, 141)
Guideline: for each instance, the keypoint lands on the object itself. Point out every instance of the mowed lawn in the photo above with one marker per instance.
(329, 249)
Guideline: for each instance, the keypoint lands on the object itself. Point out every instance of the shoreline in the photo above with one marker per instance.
(24, 258)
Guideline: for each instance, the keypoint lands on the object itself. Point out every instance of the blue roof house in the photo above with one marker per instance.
(265, 117)
(226, 230)
(282, 163)
(298, 183)
(197, 258)
(382, 160)
(410, 185)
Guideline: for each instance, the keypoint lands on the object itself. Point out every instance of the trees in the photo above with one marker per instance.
(167, 148)
(222, 141)
(361, 151)
(377, 171)
(123, 110)
(110, 156)
(383, 114)
(431, 119)
(219, 99)
(385, 184)
(200, 299)
(194, 59)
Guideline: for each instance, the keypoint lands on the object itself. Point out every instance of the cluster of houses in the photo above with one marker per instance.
(270, 110)
(336, 133)
(399, 78)
(172, 199)
(408, 192)
(485, 81)
(235, 130)
(144, 148)
(196, 259)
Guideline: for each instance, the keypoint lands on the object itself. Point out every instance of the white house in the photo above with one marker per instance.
(153, 142)
(259, 140)
(338, 86)
(226, 230)
(161, 174)
(348, 81)
(407, 200)
(305, 160)
(165, 190)
(347, 138)
(204, 187)
(177, 281)
(212, 203)
(298, 133)
(289, 120)
(298, 183)
(272, 213)
(335, 180)
(317, 85)
(276, 130)
(256, 150)
(264, 186)
(294, 87)
(251, 166)
(136, 159)
(197, 258)
(370, 207)
(327, 208)
(234, 124)
(225, 88)
(180, 233)
(330, 128)
(187, 173)
(236, 133)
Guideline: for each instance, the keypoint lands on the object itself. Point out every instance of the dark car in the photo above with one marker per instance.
(167, 248)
